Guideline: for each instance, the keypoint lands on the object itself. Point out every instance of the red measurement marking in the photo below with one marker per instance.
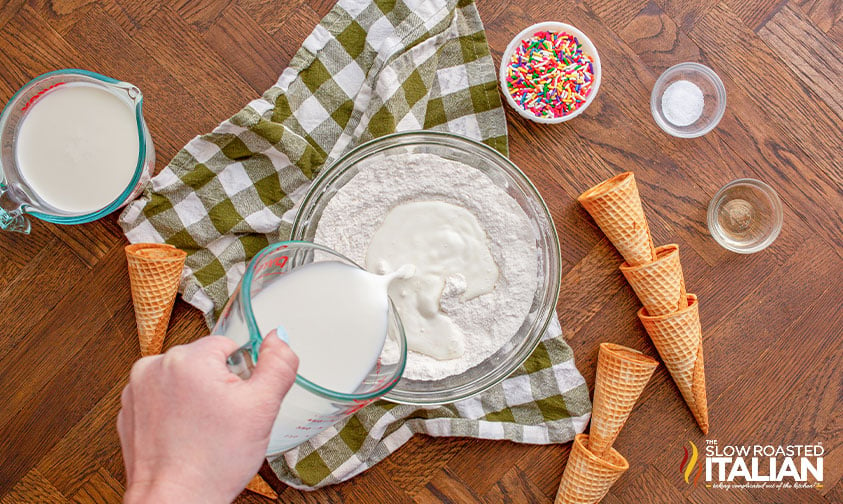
(358, 405)
(278, 262)
(38, 95)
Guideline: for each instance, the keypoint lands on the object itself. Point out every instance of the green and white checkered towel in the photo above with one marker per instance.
(368, 69)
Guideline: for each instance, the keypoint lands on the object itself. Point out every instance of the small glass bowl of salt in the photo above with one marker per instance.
(688, 100)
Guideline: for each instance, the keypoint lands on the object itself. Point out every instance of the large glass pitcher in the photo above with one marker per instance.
(18, 198)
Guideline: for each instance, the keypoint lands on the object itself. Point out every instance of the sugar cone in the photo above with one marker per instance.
(261, 487)
(154, 270)
(587, 478)
(659, 284)
(678, 338)
(622, 373)
(616, 208)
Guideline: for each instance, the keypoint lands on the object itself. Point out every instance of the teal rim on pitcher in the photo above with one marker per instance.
(255, 337)
(145, 148)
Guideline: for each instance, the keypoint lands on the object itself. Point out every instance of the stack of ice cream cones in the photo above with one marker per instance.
(593, 465)
(670, 315)
(154, 271)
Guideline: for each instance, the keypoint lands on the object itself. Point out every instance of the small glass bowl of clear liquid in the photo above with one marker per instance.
(745, 216)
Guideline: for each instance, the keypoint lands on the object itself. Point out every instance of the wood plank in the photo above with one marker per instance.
(615, 14)
(824, 14)
(420, 459)
(479, 463)
(587, 287)
(374, 485)
(200, 14)
(54, 270)
(650, 486)
(195, 65)
(9, 9)
(31, 47)
(658, 40)
(293, 27)
(544, 466)
(684, 13)
(100, 487)
(755, 13)
(257, 57)
(809, 54)
(833, 471)
(17, 250)
(63, 14)
(809, 121)
(59, 336)
(836, 33)
(86, 377)
(132, 15)
(272, 16)
(445, 487)
(89, 242)
(90, 442)
(516, 486)
(33, 488)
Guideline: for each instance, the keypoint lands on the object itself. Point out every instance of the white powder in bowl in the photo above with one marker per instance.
(488, 321)
(682, 103)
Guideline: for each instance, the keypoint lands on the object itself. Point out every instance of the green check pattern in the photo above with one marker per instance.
(368, 69)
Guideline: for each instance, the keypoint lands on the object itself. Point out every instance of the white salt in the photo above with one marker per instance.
(682, 103)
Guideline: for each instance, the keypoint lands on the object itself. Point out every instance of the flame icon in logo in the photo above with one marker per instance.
(686, 467)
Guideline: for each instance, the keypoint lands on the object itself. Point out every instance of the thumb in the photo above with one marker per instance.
(275, 371)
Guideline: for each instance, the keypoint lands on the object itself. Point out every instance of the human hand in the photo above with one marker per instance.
(192, 431)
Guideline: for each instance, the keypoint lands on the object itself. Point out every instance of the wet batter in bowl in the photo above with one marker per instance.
(472, 246)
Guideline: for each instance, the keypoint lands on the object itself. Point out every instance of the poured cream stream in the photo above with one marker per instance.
(446, 244)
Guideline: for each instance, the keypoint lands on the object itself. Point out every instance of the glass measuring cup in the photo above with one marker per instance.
(17, 197)
(308, 408)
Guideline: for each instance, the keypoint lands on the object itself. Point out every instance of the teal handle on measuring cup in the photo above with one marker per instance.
(11, 219)
(242, 363)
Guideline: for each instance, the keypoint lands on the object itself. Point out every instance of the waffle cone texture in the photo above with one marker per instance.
(678, 338)
(154, 271)
(259, 486)
(587, 477)
(622, 374)
(616, 208)
(659, 284)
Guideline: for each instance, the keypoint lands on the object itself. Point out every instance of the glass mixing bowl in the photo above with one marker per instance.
(504, 174)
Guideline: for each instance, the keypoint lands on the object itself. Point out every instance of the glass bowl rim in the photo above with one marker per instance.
(544, 317)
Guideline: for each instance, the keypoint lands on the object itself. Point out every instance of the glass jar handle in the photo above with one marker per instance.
(12, 219)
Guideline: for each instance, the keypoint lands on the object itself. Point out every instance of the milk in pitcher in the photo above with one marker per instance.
(77, 147)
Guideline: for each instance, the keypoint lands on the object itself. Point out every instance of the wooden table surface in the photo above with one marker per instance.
(772, 321)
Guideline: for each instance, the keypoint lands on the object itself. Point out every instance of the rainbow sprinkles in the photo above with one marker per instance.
(549, 75)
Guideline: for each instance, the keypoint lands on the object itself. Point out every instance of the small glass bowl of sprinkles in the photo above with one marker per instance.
(550, 72)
